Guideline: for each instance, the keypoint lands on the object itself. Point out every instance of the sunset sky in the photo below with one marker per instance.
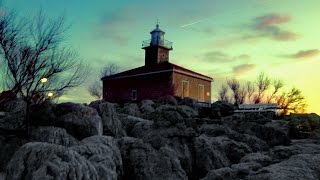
(219, 38)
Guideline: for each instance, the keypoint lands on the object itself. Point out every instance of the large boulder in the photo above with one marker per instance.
(53, 135)
(8, 146)
(167, 115)
(112, 125)
(207, 156)
(303, 146)
(141, 161)
(260, 158)
(80, 121)
(186, 111)
(271, 135)
(302, 166)
(38, 160)
(170, 100)
(14, 114)
(43, 114)
(103, 153)
(222, 108)
(131, 109)
(147, 108)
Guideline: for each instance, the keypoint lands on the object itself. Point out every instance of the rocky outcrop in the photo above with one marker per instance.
(104, 155)
(39, 160)
(170, 100)
(131, 109)
(112, 125)
(80, 121)
(8, 146)
(53, 135)
(14, 114)
(154, 140)
(141, 161)
(302, 166)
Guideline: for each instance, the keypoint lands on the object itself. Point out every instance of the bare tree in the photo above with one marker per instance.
(95, 89)
(223, 94)
(263, 82)
(277, 85)
(292, 101)
(250, 91)
(37, 66)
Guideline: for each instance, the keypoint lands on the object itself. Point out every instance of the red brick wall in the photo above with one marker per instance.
(156, 54)
(193, 86)
(148, 87)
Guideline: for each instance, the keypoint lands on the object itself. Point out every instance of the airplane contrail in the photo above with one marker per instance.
(190, 24)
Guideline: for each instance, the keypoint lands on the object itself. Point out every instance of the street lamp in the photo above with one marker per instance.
(50, 94)
(44, 80)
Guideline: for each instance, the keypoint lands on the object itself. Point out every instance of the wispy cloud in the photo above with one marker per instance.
(269, 26)
(263, 27)
(221, 57)
(243, 68)
(304, 54)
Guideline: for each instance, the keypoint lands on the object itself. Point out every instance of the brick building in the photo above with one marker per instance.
(158, 77)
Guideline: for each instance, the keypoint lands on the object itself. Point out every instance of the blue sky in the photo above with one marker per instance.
(222, 39)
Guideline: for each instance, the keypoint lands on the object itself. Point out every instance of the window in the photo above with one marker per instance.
(201, 93)
(134, 95)
(185, 89)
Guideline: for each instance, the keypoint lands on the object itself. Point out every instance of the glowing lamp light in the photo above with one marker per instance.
(44, 80)
(50, 94)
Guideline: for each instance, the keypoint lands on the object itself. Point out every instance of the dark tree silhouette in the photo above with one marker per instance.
(291, 101)
(36, 63)
(263, 83)
(95, 89)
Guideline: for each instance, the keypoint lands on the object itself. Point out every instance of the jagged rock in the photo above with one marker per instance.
(2, 176)
(80, 121)
(129, 122)
(214, 130)
(258, 158)
(305, 146)
(243, 169)
(225, 109)
(43, 114)
(188, 102)
(95, 104)
(170, 100)
(141, 161)
(207, 156)
(53, 135)
(219, 174)
(272, 136)
(302, 166)
(167, 115)
(8, 146)
(186, 111)
(147, 108)
(15, 114)
(112, 125)
(131, 109)
(49, 161)
(104, 154)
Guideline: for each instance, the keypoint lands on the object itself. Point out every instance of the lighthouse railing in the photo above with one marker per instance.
(163, 43)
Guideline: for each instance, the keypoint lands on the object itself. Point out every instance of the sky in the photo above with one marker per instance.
(221, 39)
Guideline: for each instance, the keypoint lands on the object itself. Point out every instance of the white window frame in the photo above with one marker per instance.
(182, 93)
(136, 93)
(199, 93)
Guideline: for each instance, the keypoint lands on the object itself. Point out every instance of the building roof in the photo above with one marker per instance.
(159, 68)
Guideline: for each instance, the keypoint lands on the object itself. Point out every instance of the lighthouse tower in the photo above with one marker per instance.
(157, 48)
